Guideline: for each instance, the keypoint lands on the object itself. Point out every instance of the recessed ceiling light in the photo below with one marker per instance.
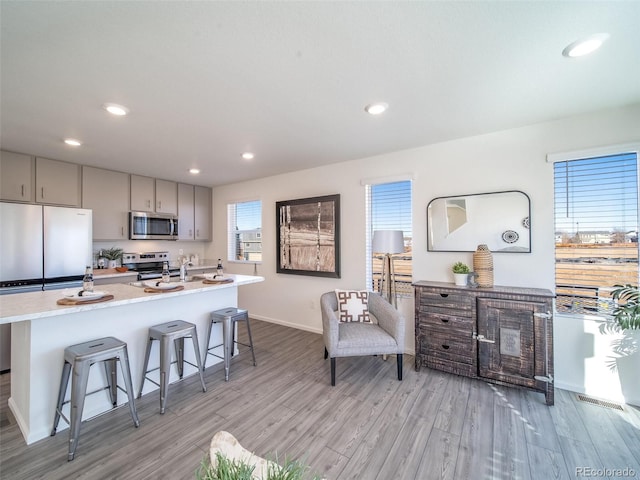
(115, 109)
(376, 108)
(194, 171)
(247, 156)
(585, 46)
(72, 141)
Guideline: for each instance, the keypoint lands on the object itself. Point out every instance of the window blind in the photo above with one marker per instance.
(244, 230)
(596, 230)
(388, 207)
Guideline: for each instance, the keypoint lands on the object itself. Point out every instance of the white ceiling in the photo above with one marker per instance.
(206, 81)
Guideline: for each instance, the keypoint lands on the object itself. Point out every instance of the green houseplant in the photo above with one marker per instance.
(460, 273)
(626, 314)
(112, 254)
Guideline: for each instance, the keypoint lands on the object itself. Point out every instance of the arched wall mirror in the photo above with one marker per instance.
(498, 219)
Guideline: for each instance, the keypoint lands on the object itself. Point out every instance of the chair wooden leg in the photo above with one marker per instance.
(333, 371)
(399, 358)
(326, 353)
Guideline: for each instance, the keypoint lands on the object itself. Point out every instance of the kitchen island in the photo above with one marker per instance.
(41, 330)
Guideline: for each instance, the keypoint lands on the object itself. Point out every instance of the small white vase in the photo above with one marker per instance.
(113, 263)
(460, 279)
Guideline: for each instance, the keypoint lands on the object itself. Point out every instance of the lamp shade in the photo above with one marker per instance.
(387, 241)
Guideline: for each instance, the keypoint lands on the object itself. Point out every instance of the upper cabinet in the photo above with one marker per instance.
(202, 214)
(166, 197)
(143, 197)
(194, 212)
(186, 212)
(153, 195)
(57, 183)
(107, 193)
(17, 176)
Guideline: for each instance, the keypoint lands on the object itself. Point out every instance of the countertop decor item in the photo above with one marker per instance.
(112, 254)
(483, 266)
(460, 273)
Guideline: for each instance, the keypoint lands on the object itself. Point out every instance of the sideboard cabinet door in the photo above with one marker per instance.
(513, 342)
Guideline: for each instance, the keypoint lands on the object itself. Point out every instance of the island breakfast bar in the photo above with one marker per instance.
(41, 330)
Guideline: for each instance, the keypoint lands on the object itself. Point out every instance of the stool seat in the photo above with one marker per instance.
(228, 317)
(79, 358)
(165, 333)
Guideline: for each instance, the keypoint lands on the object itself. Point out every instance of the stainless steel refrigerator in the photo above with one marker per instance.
(41, 248)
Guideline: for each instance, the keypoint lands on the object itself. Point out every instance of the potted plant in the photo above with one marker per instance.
(626, 315)
(112, 254)
(460, 273)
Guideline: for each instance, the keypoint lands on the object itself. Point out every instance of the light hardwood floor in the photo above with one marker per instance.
(431, 425)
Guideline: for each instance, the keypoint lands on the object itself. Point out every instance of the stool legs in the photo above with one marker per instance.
(78, 360)
(196, 350)
(229, 317)
(79, 379)
(172, 332)
(112, 379)
(64, 381)
(147, 354)
(253, 354)
(128, 383)
(227, 335)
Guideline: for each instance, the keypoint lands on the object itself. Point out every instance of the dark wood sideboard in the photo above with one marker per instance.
(502, 335)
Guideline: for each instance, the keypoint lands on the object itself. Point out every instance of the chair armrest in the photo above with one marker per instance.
(330, 323)
(389, 318)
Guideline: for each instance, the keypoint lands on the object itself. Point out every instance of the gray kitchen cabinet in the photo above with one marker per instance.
(166, 197)
(143, 197)
(202, 215)
(186, 212)
(17, 176)
(106, 193)
(57, 183)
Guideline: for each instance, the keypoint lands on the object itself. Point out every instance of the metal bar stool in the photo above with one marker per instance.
(229, 317)
(177, 331)
(79, 358)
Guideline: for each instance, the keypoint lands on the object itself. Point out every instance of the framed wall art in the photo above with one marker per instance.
(308, 231)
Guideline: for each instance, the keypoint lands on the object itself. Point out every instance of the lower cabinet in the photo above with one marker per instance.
(503, 335)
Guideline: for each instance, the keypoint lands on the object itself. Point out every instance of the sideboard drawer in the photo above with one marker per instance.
(446, 322)
(450, 347)
(429, 301)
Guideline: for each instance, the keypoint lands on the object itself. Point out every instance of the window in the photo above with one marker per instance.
(596, 230)
(389, 208)
(244, 223)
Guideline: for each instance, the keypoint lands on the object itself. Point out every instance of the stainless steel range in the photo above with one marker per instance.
(148, 264)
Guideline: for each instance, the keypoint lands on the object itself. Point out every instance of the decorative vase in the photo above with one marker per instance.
(460, 279)
(483, 266)
(113, 263)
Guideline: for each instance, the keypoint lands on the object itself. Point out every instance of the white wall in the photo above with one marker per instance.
(507, 160)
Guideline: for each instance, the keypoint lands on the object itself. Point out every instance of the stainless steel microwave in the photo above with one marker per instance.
(152, 226)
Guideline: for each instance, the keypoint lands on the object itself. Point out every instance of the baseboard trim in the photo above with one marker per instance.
(306, 328)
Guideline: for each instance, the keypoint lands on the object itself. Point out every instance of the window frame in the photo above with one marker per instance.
(584, 154)
(232, 242)
(368, 184)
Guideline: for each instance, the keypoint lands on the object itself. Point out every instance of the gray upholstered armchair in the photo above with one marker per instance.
(385, 335)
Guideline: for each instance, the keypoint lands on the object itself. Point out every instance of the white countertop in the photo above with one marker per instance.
(32, 305)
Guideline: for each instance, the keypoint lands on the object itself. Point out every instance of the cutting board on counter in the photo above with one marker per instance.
(73, 301)
(163, 290)
(217, 281)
